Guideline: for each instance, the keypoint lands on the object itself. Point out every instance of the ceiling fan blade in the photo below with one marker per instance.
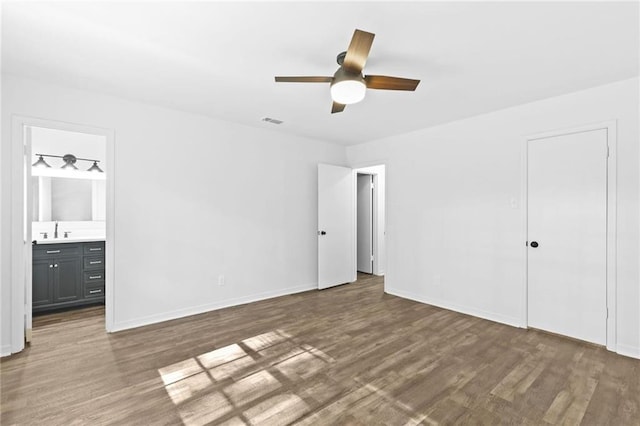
(336, 107)
(304, 79)
(358, 51)
(390, 83)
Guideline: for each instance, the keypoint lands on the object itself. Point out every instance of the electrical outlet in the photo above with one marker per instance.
(513, 202)
(221, 279)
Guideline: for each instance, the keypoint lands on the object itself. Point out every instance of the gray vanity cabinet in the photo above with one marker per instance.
(42, 293)
(67, 286)
(60, 275)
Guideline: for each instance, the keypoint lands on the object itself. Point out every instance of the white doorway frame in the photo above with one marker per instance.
(21, 209)
(379, 224)
(373, 213)
(611, 261)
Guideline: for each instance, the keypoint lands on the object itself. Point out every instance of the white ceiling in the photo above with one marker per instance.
(219, 58)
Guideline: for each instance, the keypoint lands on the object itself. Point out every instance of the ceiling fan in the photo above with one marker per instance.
(348, 85)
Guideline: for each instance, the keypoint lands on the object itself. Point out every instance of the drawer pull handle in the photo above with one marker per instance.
(94, 277)
(53, 251)
(95, 262)
(95, 291)
(95, 249)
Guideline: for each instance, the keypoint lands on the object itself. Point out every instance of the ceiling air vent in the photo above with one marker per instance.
(272, 120)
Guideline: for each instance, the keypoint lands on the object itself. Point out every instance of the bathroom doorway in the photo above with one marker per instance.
(66, 247)
(68, 218)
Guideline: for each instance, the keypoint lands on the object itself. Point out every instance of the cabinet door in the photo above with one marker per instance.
(42, 278)
(67, 284)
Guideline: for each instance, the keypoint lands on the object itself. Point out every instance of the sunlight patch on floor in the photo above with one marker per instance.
(232, 368)
(184, 389)
(221, 356)
(251, 388)
(258, 343)
(242, 383)
(204, 409)
(179, 370)
(277, 410)
(302, 365)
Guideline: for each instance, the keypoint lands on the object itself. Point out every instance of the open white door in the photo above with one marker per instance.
(336, 242)
(28, 237)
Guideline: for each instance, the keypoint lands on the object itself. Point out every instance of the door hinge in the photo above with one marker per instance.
(372, 258)
(607, 151)
(607, 313)
(372, 185)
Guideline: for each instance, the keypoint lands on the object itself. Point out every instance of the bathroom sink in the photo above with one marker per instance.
(78, 239)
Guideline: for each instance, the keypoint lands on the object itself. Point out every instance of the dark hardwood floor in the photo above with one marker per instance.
(348, 355)
(70, 315)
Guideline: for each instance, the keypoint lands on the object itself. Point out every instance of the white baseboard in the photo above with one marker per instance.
(630, 351)
(491, 316)
(200, 309)
(5, 350)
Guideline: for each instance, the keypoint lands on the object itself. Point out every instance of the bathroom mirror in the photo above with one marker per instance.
(67, 199)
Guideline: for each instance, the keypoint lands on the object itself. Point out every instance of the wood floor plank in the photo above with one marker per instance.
(350, 355)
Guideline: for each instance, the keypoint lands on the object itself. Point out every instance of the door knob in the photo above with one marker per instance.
(534, 244)
(322, 233)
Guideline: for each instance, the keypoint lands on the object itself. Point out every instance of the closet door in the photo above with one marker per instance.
(567, 231)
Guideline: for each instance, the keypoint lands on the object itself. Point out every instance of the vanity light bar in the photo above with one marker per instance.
(69, 162)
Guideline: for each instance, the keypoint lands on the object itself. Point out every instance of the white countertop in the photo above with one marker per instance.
(87, 239)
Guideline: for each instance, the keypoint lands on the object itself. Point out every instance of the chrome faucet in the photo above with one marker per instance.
(55, 232)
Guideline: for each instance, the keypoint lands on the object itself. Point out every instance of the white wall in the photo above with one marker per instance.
(215, 198)
(453, 237)
(194, 198)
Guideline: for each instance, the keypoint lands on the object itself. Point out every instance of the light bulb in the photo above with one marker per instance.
(347, 87)
(95, 168)
(348, 91)
(41, 163)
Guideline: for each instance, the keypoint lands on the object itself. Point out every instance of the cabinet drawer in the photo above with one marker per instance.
(93, 262)
(93, 291)
(55, 250)
(94, 248)
(93, 276)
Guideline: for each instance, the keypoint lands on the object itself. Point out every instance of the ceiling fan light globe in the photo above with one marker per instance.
(348, 92)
